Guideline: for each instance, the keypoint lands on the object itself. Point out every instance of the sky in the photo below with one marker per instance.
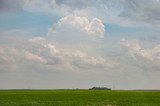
(68, 44)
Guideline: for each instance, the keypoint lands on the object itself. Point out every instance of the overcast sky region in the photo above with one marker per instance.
(58, 44)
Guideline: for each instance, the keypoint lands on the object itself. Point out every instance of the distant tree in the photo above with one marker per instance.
(100, 88)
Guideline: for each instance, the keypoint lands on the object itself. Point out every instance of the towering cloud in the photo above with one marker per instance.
(77, 29)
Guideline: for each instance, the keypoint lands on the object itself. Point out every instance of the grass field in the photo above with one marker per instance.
(78, 98)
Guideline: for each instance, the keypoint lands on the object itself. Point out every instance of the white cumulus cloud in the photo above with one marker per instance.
(76, 27)
(136, 50)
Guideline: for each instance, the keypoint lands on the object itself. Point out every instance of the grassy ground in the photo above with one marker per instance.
(79, 98)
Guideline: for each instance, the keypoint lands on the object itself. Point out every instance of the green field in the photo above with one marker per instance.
(78, 98)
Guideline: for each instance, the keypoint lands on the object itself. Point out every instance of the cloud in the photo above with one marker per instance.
(8, 58)
(7, 54)
(10, 5)
(77, 27)
(122, 12)
(142, 10)
(140, 57)
(71, 59)
(70, 44)
(59, 7)
(41, 52)
(136, 51)
(33, 57)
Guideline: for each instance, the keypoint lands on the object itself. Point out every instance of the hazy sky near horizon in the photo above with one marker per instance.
(80, 44)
